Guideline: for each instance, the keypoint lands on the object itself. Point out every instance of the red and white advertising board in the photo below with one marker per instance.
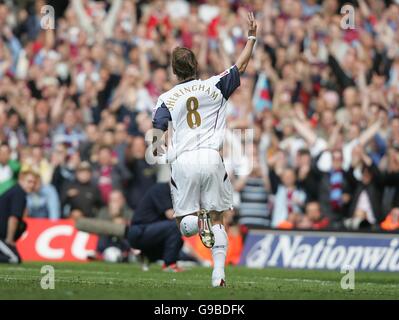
(56, 240)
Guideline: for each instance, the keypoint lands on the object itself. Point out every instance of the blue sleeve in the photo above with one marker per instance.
(229, 81)
(161, 118)
(53, 203)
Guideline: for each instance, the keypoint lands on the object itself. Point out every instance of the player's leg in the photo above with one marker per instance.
(185, 192)
(200, 223)
(216, 198)
(188, 226)
(219, 249)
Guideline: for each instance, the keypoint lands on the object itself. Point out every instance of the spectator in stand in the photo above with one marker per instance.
(69, 132)
(335, 190)
(289, 200)
(86, 147)
(82, 197)
(313, 219)
(39, 162)
(43, 202)
(9, 169)
(366, 206)
(121, 142)
(308, 179)
(64, 167)
(142, 174)
(391, 189)
(117, 210)
(254, 210)
(106, 175)
(14, 132)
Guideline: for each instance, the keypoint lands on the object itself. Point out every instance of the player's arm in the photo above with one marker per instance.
(229, 80)
(160, 122)
(246, 53)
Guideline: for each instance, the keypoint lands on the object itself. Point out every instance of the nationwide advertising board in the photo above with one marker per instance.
(321, 250)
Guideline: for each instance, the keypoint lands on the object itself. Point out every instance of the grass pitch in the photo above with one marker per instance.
(98, 280)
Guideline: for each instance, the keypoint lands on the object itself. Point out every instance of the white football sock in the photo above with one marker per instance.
(219, 251)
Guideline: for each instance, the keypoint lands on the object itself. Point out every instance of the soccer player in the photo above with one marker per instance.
(201, 190)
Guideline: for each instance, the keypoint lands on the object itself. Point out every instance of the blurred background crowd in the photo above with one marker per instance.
(76, 103)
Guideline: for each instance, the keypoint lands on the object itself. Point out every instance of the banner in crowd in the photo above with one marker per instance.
(321, 250)
(55, 240)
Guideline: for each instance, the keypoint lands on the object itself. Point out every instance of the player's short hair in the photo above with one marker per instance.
(184, 63)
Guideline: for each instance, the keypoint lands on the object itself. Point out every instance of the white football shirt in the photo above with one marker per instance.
(196, 110)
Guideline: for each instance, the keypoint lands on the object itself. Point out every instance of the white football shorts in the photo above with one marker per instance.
(199, 181)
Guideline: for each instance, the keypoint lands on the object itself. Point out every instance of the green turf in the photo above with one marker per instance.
(126, 281)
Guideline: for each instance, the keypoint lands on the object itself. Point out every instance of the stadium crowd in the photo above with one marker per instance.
(323, 101)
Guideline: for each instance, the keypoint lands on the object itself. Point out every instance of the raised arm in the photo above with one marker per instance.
(305, 131)
(110, 20)
(246, 53)
(369, 133)
(56, 111)
(84, 19)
